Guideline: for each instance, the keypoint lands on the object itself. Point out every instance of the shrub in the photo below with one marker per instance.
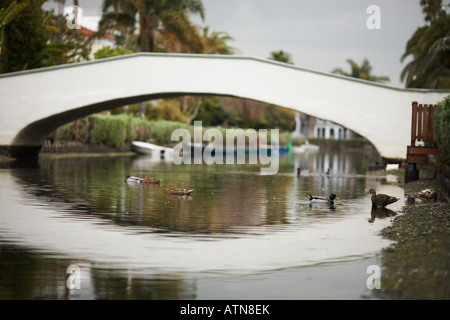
(109, 130)
(441, 119)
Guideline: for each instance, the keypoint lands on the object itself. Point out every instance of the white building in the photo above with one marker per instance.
(329, 130)
(308, 126)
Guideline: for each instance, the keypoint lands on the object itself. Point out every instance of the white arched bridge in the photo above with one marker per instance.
(34, 103)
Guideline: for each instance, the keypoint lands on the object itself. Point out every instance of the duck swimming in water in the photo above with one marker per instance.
(151, 180)
(180, 192)
(133, 180)
(319, 199)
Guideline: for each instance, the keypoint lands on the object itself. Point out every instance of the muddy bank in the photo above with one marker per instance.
(417, 265)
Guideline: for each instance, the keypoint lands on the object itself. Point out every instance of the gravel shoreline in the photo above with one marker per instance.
(417, 265)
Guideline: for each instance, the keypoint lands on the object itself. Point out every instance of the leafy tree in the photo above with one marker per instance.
(429, 47)
(281, 56)
(211, 113)
(363, 71)
(24, 38)
(64, 45)
(7, 14)
(279, 117)
(432, 9)
(441, 125)
(163, 25)
(216, 42)
(37, 39)
(107, 52)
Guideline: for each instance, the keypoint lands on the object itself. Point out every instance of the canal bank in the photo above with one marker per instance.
(417, 264)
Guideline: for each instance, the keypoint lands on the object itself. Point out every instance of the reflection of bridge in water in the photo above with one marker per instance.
(330, 163)
(335, 170)
(36, 102)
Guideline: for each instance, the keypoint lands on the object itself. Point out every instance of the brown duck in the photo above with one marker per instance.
(180, 192)
(381, 200)
(429, 194)
(151, 180)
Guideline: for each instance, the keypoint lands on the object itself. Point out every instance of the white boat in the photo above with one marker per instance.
(150, 148)
(306, 147)
(393, 166)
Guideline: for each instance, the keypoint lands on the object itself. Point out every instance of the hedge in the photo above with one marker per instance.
(441, 120)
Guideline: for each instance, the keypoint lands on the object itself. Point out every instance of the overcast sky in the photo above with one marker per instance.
(319, 35)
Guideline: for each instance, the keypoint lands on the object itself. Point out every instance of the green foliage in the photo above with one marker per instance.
(363, 71)
(281, 56)
(441, 120)
(279, 117)
(23, 38)
(429, 48)
(7, 14)
(117, 130)
(158, 20)
(78, 130)
(35, 38)
(120, 129)
(211, 113)
(168, 109)
(109, 130)
(216, 42)
(64, 45)
(107, 52)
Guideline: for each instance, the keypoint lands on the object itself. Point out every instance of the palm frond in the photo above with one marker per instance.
(13, 10)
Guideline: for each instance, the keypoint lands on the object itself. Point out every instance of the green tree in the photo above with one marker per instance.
(432, 9)
(363, 71)
(281, 56)
(162, 24)
(37, 39)
(24, 38)
(212, 113)
(216, 42)
(107, 52)
(442, 128)
(64, 45)
(7, 14)
(429, 48)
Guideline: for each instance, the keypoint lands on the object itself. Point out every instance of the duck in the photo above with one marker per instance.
(319, 199)
(381, 200)
(151, 180)
(180, 192)
(133, 180)
(429, 194)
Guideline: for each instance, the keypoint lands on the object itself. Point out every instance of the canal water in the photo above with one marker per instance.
(71, 228)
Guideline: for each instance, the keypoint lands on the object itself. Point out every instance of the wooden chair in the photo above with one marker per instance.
(422, 130)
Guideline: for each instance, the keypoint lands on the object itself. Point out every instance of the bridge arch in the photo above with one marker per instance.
(36, 102)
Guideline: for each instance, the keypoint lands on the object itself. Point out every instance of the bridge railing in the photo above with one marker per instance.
(423, 133)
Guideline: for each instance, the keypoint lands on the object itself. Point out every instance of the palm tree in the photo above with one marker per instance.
(6, 15)
(432, 9)
(216, 42)
(157, 19)
(361, 72)
(281, 56)
(430, 49)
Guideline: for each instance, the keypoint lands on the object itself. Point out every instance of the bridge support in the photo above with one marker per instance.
(411, 173)
(27, 153)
